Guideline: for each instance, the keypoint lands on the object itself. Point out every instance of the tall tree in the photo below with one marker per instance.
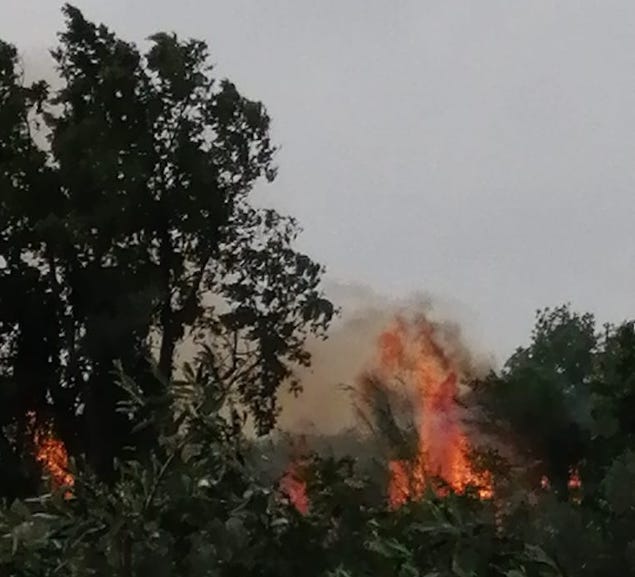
(29, 364)
(116, 231)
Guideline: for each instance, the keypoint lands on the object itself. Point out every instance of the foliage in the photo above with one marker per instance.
(185, 509)
(546, 383)
(195, 507)
(130, 227)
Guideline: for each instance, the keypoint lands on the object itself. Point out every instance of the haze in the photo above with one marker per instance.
(479, 151)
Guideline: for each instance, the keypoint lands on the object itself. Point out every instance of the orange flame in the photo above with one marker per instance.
(51, 453)
(293, 483)
(294, 487)
(442, 445)
(575, 482)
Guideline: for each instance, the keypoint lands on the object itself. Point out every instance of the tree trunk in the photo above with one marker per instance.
(167, 318)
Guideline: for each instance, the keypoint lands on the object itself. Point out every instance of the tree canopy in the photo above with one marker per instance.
(120, 228)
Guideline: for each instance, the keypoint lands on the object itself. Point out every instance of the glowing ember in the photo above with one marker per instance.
(574, 482)
(51, 453)
(442, 448)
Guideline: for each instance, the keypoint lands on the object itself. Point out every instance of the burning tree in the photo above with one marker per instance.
(432, 450)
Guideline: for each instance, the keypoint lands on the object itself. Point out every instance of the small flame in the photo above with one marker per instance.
(574, 482)
(442, 445)
(295, 489)
(51, 453)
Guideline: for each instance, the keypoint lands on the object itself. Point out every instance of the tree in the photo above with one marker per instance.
(541, 399)
(566, 402)
(114, 233)
(28, 323)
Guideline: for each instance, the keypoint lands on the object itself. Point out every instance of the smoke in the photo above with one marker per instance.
(327, 404)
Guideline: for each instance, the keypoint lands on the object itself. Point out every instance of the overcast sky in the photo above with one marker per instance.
(481, 150)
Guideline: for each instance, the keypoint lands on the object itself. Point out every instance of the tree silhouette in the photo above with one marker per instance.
(114, 232)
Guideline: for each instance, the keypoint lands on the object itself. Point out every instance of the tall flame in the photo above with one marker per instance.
(442, 445)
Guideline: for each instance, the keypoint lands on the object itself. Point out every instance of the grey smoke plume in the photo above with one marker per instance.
(327, 404)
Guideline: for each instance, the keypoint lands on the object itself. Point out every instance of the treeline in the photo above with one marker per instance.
(202, 502)
(114, 229)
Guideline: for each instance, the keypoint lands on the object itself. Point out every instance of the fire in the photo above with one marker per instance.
(442, 448)
(294, 487)
(293, 483)
(51, 453)
(574, 482)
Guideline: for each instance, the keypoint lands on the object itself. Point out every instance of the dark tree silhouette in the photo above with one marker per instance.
(114, 233)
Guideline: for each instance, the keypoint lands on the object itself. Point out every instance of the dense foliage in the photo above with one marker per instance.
(196, 506)
(564, 405)
(124, 205)
(125, 226)
(199, 504)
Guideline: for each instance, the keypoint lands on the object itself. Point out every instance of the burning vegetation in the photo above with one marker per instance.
(293, 483)
(50, 452)
(431, 451)
(412, 377)
(412, 355)
(294, 486)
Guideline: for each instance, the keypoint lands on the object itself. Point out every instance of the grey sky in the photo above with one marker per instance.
(480, 150)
